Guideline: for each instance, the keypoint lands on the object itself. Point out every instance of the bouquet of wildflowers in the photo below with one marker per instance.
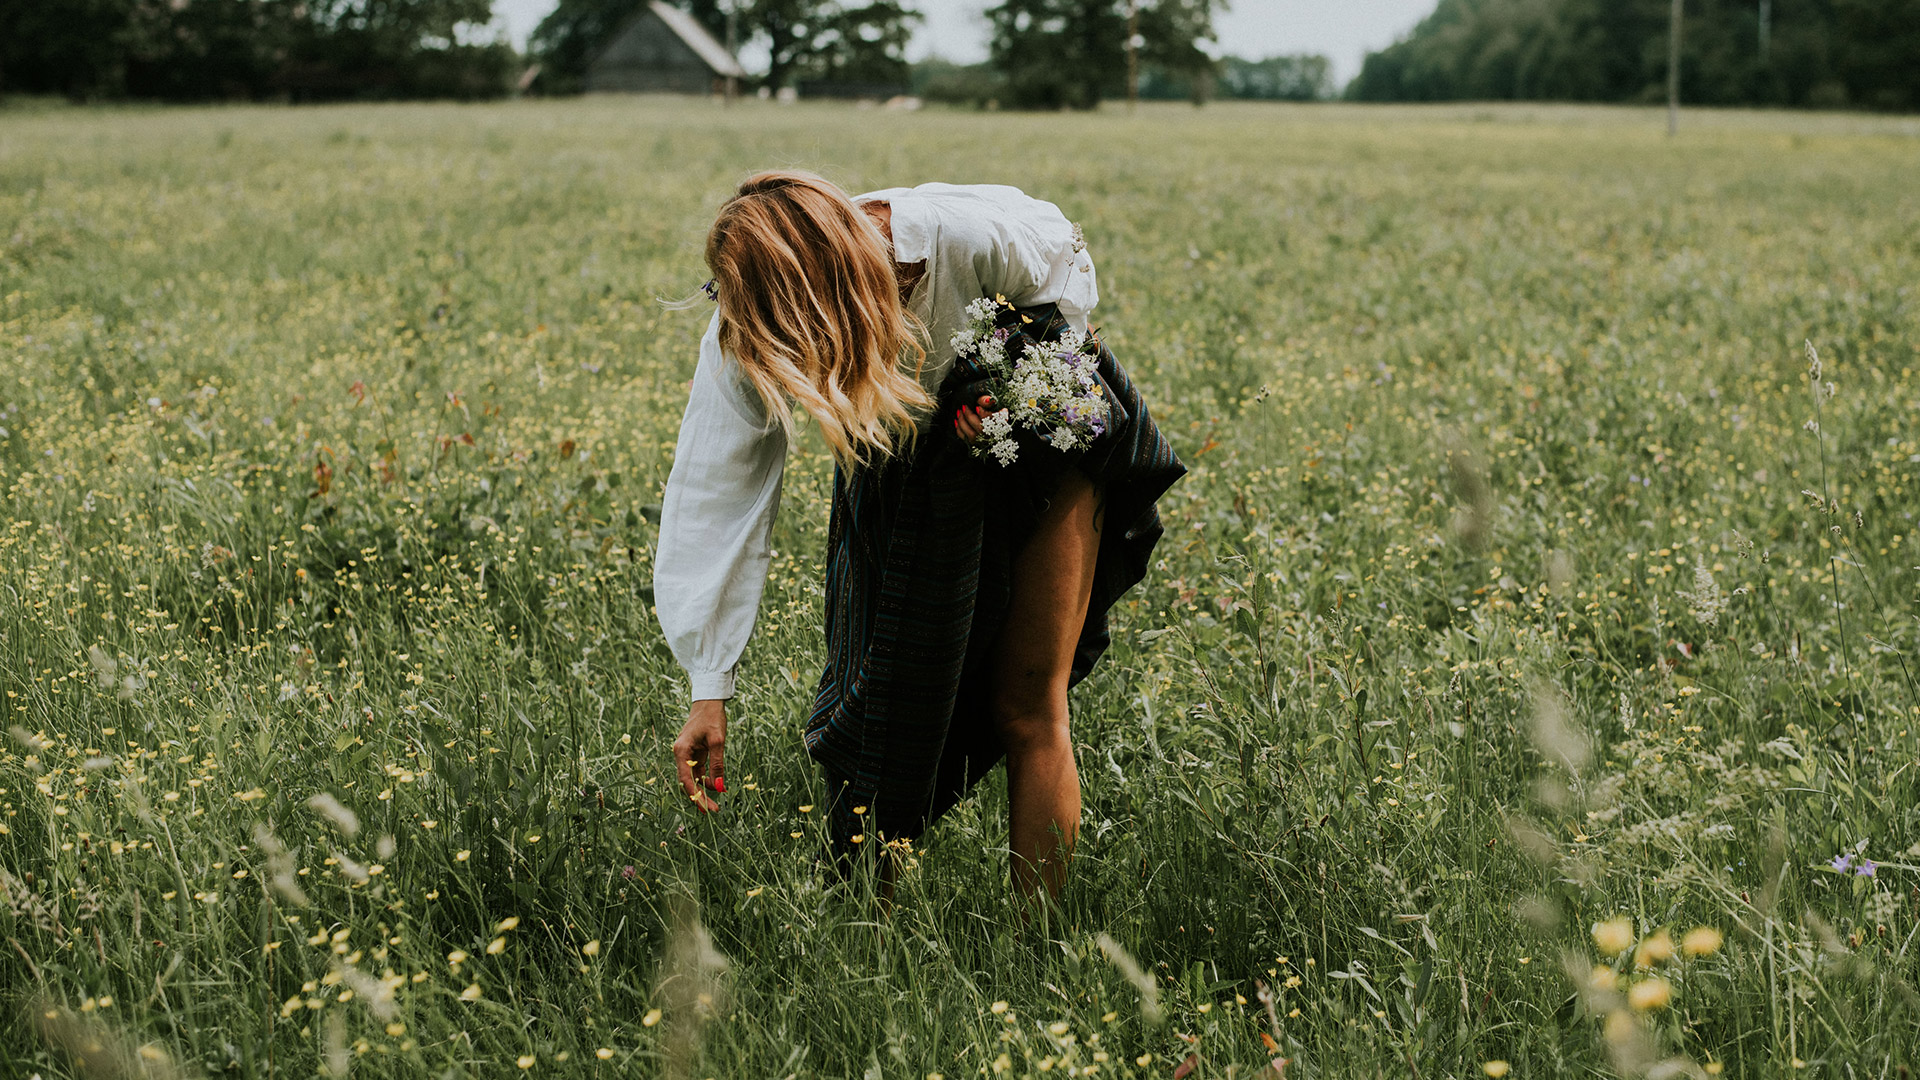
(1048, 387)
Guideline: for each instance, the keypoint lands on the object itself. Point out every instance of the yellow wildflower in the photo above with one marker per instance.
(1701, 941)
(1650, 994)
(1614, 936)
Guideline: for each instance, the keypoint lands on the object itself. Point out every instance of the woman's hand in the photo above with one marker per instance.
(699, 752)
(966, 421)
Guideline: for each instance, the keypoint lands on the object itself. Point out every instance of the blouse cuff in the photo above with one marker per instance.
(711, 684)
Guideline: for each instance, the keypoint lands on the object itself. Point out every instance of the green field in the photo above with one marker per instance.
(1524, 579)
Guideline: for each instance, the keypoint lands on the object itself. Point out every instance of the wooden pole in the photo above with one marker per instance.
(1673, 70)
(1133, 54)
(733, 83)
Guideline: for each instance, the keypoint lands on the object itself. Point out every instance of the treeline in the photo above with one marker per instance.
(1303, 77)
(1045, 54)
(298, 50)
(1814, 53)
(1053, 54)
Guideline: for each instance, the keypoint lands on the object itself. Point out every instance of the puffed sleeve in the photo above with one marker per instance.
(716, 522)
(1030, 253)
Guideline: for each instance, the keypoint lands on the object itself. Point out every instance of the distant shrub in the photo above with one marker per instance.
(1301, 77)
(978, 85)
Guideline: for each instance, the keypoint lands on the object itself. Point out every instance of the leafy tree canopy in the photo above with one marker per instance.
(1822, 53)
(209, 49)
(1059, 54)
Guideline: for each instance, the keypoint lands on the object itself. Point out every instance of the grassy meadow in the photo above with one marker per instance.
(1527, 684)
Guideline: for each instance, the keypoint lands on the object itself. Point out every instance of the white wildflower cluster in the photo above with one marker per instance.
(1048, 387)
(998, 430)
(977, 337)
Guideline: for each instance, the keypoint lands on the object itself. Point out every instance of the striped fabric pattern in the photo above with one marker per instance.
(920, 557)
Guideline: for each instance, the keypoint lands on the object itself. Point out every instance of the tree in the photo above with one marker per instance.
(209, 49)
(1058, 54)
(72, 47)
(1882, 57)
(834, 42)
(1171, 33)
(864, 46)
(393, 48)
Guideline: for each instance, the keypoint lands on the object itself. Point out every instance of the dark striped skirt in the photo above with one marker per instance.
(920, 557)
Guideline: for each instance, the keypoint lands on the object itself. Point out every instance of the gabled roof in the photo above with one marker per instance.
(689, 30)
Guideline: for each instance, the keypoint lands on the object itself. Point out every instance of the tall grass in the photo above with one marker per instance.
(1513, 622)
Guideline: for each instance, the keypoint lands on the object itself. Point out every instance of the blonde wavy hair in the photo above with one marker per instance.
(811, 310)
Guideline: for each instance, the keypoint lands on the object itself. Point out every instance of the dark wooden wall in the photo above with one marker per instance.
(648, 57)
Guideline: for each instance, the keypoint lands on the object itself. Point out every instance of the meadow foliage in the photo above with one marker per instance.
(1526, 684)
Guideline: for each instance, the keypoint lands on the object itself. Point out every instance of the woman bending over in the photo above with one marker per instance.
(963, 596)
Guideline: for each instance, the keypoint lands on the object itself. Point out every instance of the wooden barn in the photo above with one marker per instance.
(662, 50)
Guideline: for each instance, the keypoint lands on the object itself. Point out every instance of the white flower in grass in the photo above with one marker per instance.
(1706, 602)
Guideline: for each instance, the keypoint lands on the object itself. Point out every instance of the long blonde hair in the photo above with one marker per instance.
(810, 308)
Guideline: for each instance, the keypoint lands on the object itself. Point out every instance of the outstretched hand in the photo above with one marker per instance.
(967, 419)
(699, 753)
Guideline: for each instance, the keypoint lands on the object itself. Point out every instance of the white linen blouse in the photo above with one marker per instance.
(723, 492)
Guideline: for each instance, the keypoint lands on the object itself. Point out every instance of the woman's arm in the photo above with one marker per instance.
(716, 523)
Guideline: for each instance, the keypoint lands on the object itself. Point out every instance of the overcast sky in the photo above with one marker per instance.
(1345, 30)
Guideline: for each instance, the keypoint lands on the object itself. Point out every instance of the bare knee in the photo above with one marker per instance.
(1031, 723)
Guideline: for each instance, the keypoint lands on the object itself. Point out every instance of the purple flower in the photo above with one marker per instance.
(627, 872)
(1865, 869)
(712, 290)
(1841, 862)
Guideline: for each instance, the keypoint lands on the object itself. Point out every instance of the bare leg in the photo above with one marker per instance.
(1052, 582)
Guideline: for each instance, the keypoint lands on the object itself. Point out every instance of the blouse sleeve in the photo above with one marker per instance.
(716, 522)
(1030, 253)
